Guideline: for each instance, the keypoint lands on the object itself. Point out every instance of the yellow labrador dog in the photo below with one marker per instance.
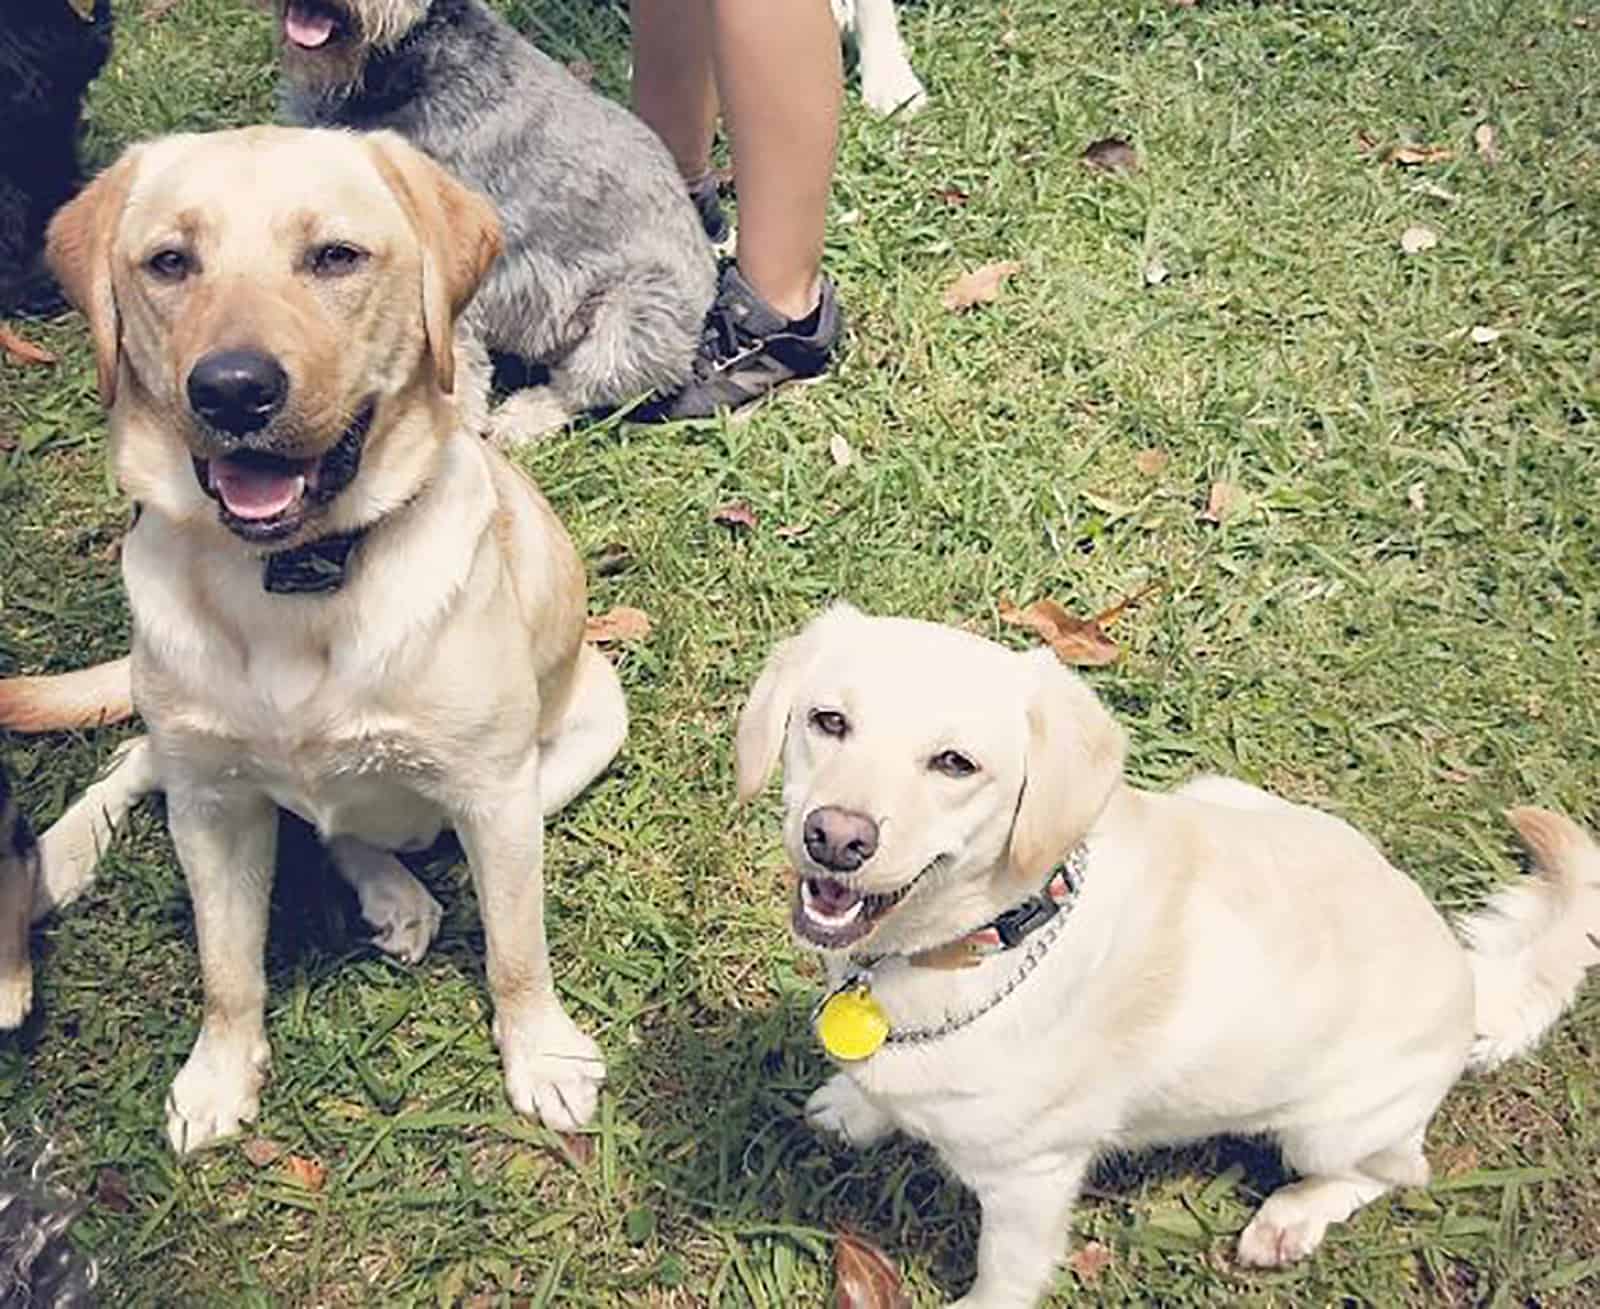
(344, 602)
(1032, 962)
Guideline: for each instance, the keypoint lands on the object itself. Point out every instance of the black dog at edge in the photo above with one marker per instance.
(50, 50)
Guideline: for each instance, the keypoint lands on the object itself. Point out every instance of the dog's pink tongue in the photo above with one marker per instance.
(306, 26)
(250, 491)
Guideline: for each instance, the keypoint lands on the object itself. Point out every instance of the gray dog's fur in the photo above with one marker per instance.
(607, 274)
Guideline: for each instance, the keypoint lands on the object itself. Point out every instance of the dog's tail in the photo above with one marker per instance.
(1532, 943)
(90, 697)
(71, 848)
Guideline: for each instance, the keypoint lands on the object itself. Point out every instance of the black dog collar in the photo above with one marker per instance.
(308, 569)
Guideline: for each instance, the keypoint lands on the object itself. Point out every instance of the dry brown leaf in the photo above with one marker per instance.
(1483, 140)
(621, 623)
(23, 350)
(309, 1173)
(1414, 156)
(1089, 1261)
(111, 1191)
(735, 514)
(578, 1147)
(1111, 154)
(980, 286)
(952, 195)
(791, 531)
(1152, 462)
(1222, 500)
(1417, 238)
(581, 69)
(839, 451)
(864, 1277)
(260, 1151)
(1078, 641)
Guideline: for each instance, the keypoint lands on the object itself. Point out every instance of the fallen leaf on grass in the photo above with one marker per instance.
(864, 1277)
(1417, 238)
(578, 1147)
(1221, 501)
(952, 195)
(735, 515)
(111, 1191)
(1078, 641)
(1414, 156)
(23, 350)
(980, 286)
(1152, 462)
(622, 623)
(791, 531)
(839, 451)
(309, 1173)
(260, 1151)
(1483, 140)
(1482, 335)
(1111, 154)
(1089, 1261)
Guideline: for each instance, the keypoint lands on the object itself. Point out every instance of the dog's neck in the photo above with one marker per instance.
(315, 567)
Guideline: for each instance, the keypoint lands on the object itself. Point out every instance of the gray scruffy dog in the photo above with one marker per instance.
(607, 274)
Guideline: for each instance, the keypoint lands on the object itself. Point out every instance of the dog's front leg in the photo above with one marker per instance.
(1024, 1232)
(226, 842)
(552, 1069)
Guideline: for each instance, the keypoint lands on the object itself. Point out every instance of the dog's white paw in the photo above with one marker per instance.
(553, 1071)
(215, 1091)
(16, 998)
(526, 415)
(1274, 1239)
(838, 1108)
(893, 86)
(404, 915)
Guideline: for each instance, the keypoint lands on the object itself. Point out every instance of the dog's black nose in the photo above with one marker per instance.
(840, 839)
(237, 391)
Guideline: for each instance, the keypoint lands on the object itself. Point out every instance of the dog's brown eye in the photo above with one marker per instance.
(952, 763)
(169, 265)
(830, 722)
(336, 259)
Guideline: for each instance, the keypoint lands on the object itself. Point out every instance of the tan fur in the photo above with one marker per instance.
(444, 683)
(90, 697)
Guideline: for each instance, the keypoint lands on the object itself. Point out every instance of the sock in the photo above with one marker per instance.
(808, 325)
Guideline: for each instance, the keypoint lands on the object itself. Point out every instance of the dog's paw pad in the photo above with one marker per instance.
(838, 1108)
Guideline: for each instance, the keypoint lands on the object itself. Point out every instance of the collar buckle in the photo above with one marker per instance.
(1018, 921)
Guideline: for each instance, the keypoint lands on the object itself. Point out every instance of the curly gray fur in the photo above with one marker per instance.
(607, 275)
(39, 1267)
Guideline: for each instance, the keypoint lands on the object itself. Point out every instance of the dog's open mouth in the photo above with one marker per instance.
(832, 913)
(311, 24)
(263, 496)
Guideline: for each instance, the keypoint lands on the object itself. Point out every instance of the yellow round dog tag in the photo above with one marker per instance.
(852, 1025)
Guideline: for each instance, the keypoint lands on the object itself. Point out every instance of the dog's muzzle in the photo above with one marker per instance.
(263, 495)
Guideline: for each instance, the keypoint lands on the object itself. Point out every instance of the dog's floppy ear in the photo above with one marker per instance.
(78, 248)
(1074, 761)
(765, 716)
(459, 232)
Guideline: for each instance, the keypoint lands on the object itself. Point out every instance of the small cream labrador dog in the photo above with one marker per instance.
(1033, 963)
(345, 602)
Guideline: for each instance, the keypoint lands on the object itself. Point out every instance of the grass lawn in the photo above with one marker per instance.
(1396, 619)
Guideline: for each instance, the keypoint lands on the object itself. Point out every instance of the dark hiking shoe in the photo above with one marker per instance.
(748, 349)
(713, 218)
